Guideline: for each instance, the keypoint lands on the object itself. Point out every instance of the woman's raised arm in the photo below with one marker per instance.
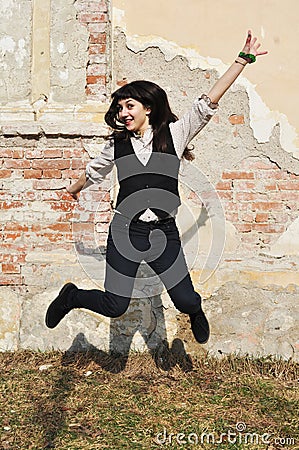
(248, 55)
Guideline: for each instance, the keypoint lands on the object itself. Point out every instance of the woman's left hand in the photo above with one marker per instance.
(252, 46)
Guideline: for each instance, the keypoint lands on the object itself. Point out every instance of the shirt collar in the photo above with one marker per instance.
(146, 136)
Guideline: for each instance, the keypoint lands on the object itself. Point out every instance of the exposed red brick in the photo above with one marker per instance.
(60, 226)
(261, 165)
(102, 227)
(236, 175)
(271, 187)
(5, 153)
(32, 173)
(62, 206)
(35, 227)
(45, 184)
(15, 226)
(292, 185)
(271, 174)
(224, 185)
(34, 154)
(10, 258)
(53, 237)
(268, 228)
(17, 154)
(247, 216)
(225, 195)
(99, 79)
(51, 164)
(86, 227)
(17, 164)
(245, 196)
(236, 119)
(244, 227)
(51, 173)
(78, 164)
(12, 235)
(73, 153)
(97, 38)
(10, 279)
(92, 17)
(95, 49)
(96, 91)
(289, 195)
(122, 82)
(244, 185)
(11, 268)
(97, 69)
(103, 216)
(279, 217)
(5, 173)
(261, 217)
(267, 206)
(72, 173)
(11, 204)
(97, 27)
(232, 217)
(53, 153)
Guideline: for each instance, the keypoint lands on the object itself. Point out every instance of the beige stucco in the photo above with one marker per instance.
(216, 29)
(40, 50)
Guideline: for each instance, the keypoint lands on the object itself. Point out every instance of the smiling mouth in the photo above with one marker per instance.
(128, 121)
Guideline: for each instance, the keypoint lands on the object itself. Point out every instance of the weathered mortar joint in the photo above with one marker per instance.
(34, 130)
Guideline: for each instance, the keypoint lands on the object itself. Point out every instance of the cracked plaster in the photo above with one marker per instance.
(262, 119)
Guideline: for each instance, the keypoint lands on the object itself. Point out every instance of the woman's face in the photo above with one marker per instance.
(134, 115)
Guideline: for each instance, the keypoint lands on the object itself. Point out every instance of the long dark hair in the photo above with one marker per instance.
(153, 97)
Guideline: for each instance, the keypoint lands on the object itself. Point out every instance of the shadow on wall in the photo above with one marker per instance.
(165, 357)
(152, 328)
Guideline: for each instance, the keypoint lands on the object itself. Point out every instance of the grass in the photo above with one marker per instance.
(98, 401)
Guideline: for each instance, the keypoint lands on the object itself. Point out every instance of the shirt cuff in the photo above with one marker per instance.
(205, 110)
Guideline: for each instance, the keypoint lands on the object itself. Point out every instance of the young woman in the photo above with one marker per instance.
(147, 144)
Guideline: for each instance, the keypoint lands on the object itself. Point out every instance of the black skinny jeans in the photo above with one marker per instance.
(128, 244)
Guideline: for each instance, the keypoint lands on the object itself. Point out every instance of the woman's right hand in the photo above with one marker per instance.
(76, 187)
(72, 193)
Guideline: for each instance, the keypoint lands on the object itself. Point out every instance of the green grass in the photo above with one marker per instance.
(99, 401)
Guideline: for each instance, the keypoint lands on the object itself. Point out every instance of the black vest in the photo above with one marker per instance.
(153, 186)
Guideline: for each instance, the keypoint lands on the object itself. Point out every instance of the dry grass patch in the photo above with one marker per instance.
(80, 401)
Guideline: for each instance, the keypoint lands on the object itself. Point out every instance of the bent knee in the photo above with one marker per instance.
(187, 307)
(118, 307)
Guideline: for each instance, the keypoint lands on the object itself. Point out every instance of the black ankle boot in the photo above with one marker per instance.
(200, 326)
(60, 306)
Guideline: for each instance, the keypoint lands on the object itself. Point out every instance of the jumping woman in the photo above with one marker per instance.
(147, 144)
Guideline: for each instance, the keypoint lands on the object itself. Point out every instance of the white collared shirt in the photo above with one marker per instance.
(182, 132)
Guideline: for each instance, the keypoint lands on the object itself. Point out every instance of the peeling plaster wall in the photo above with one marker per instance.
(258, 187)
(213, 31)
(54, 60)
(69, 56)
(239, 213)
(15, 50)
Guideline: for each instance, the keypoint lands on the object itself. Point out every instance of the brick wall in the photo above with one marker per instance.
(37, 213)
(95, 16)
(45, 232)
(260, 199)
